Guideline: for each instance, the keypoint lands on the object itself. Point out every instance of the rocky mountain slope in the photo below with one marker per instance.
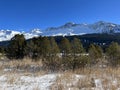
(67, 29)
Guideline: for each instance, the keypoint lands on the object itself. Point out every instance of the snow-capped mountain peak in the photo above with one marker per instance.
(69, 24)
(106, 27)
(67, 29)
(7, 34)
(36, 31)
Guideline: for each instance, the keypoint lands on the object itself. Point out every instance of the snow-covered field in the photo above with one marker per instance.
(61, 81)
(16, 82)
(13, 77)
(69, 81)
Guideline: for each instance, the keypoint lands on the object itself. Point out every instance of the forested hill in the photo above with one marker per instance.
(99, 39)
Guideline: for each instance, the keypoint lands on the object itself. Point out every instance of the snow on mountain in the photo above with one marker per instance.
(65, 30)
(79, 29)
(7, 34)
(33, 33)
(105, 27)
(68, 29)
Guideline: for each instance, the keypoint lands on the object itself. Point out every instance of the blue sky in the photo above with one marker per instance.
(29, 14)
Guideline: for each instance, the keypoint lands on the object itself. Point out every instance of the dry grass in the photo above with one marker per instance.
(36, 88)
(11, 79)
(25, 65)
(24, 62)
(109, 79)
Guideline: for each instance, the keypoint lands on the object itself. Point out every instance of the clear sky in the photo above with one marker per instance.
(29, 14)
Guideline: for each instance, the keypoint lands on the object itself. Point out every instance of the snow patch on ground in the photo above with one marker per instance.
(45, 82)
(27, 82)
(98, 84)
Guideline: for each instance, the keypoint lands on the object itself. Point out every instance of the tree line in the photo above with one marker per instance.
(64, 54)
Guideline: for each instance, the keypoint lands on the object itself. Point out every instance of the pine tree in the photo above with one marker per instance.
(53, 62)
(95, 52)
(32, 49)
(16, 48)
(2, 49)
(45, 46)
(77, 47)
(65, 46)
(77, 50)
(113, 52)
(54, 47)
(36, 49)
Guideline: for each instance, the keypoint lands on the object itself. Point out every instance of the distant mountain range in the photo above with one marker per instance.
(68, 29)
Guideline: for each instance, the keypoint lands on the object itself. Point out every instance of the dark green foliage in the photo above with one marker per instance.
(39, 48)
(45, 46)
(52, 61)
(67, 62)
(2, 50)
(54, 49)
(113, 52)
(77, 51)
(95, 52)
(81, 62)
(77, 47)
(16, 48)
(70, 54)
(75, 63)
(66, 50)
(32, 49)
(65, 46)
(102, 40)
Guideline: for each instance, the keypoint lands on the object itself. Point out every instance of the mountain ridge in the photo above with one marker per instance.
(67, 29)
